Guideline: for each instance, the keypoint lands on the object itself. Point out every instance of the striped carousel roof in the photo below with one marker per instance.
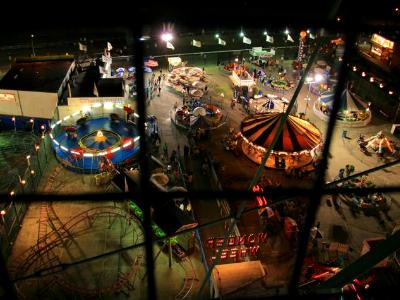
(297, 134)
(349, 101)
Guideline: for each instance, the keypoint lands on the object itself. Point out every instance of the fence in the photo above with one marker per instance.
(24, 183)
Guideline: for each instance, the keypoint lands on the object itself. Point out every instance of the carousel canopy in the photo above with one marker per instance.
(348, 101)
(297, 134)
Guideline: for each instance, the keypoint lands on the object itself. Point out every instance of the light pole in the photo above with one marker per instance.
(33, 48)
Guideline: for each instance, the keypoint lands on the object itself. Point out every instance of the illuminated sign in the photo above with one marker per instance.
(380, 40)
(7, 97)
(376, 50)
(244, 245)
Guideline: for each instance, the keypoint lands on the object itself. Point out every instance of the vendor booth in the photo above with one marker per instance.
(241, 77)
(296, 143)
(353, 111)
(174, 62)
(262, 57)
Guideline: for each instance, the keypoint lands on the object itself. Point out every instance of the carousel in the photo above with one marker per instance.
(269, 103)
(296, 145)
(353, 111)
(96, 137)
(326, 82)
(197, 114)
(185, 79)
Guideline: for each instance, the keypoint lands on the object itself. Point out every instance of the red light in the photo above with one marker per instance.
(320, 275)
(261, 200)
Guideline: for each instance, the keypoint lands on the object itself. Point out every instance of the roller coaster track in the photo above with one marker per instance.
(189, 279)
(47, 242)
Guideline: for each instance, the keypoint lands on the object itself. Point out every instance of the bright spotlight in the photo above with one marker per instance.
(286, 31)
(167, 37)
(217, 36)
(318, 77)
(241, 34)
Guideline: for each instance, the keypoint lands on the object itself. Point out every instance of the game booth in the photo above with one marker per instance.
(353, 111)
(96, 138)
(296, 145)
(262, 57)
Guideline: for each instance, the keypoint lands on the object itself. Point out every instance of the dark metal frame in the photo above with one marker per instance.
(319, 189)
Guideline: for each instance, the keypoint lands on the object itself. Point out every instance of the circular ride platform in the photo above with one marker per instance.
(83, 142)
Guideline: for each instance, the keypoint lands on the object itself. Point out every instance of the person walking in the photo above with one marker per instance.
(159, 90)
(165, 150)
(186, 151)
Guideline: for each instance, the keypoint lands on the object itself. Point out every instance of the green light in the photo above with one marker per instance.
(217, 35)
(241, 33)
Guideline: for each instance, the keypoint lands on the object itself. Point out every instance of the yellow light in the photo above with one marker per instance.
(2, 212)
(28, 157)
(390, 92)
(354, 68)
(23, 181)
(33, 172)
(363, 74)
(13, 119)
(381, 85)
(371, 79)
(37, 147)
(86, 108)
(31, 120)
(12, 193)
(108, 105)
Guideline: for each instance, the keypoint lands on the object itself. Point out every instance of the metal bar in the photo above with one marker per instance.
(285, 116)
(361, 265)
(143, 161)
(6, 285)
(228, 194)
(318, 191)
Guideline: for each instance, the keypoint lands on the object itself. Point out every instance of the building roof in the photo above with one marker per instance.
(297, 134)
(84, 84)
(36, 76)
(110, 87)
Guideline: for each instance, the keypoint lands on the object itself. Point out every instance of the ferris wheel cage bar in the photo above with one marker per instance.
(82, 112)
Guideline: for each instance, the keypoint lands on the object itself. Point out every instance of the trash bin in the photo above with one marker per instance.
(344, 134)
